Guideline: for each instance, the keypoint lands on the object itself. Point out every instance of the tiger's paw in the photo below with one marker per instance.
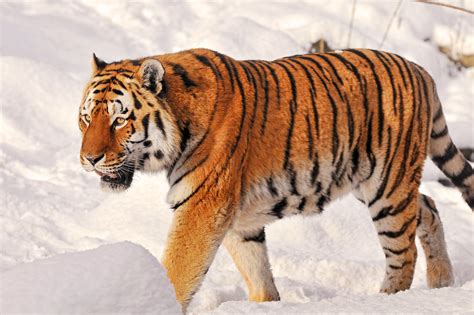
(439, 273)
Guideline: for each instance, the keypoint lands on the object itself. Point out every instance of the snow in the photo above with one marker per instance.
(118, 278)
(51, 208)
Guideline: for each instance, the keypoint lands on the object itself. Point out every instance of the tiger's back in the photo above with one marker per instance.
(250, 142)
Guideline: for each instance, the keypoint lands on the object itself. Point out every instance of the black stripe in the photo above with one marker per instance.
(315, 112)
(414, 155)
(255, 98)
(271, 187)
(321, 202)
(425, 90)
(386, 170)
(264, 82)
(429, 204)
(266, 102)
(302, 204)
(382, 60)
(438, 115)
(205, 61)
(227, 65)
(183, 74)
(397, 252)
(395, 61)
(279, 207)
(379, 92)
(118, 92)
(99, 91)
(442, 133)
(276, 80)
(351, 67)
(419, 79)
(142, 160)
(390, 211)
(312, 92)
(191, 170)
(136, 102)
(368, 150)
(293, 175)
(326, 59)
(459, 179)
(395, 234)
(293, 110)
(399, 267)
(145, 123)
(355, 161)
(185, 136)
(103, 74)
(259, 238)
(117, 81)
(159, 123)
(97, 83)
(448, 154)
(244, 111)
(315, 169)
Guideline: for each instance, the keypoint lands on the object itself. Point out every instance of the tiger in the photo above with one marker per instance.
(245, 143)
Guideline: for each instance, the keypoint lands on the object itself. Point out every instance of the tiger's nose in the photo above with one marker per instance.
(94, 160)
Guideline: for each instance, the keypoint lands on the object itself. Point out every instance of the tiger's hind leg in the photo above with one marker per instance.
(394, 218)
(249, 253)
(430, 232)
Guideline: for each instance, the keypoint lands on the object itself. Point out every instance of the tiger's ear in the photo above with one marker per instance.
(151, 74)
(97, 63)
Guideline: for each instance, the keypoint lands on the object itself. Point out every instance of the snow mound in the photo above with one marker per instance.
(117, 278)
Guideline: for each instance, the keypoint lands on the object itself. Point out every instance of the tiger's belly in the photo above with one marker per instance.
(276, 197)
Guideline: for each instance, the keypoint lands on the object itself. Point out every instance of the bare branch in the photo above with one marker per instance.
(446, 5)
(395, 12)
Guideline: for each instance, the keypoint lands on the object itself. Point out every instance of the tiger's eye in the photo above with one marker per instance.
(87, 118)
(119, 121)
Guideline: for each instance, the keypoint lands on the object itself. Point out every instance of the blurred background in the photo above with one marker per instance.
(49, 205)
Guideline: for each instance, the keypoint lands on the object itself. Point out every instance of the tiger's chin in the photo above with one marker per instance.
(117, 182)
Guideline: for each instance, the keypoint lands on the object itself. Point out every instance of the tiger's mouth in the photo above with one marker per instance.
(117, 181)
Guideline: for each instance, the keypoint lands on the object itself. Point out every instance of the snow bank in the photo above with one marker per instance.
(117, 278)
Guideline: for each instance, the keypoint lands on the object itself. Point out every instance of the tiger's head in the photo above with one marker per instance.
(126, 125)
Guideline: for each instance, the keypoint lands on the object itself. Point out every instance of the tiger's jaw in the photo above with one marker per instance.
(116, 182)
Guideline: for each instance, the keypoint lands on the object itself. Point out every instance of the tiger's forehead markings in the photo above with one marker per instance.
(118, 105)
(114, 93)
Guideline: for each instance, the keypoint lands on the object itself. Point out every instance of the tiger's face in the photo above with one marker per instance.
(125, 124)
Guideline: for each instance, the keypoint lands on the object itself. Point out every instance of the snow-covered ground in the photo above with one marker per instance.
(122, 277)
(50, 206)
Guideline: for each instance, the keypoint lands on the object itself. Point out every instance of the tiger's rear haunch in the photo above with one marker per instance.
(246, 143)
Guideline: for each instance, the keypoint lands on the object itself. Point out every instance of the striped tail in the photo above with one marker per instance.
(448, 158)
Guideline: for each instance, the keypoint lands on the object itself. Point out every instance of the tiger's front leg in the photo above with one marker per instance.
(196, 232)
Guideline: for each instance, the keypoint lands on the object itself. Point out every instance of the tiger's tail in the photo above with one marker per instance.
(448, 158)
